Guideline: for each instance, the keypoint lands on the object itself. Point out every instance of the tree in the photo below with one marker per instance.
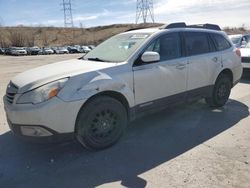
(17, 38)
(45, 37)
(30, 39)
(242, 28)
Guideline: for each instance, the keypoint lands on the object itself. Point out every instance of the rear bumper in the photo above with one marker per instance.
(246, 65)
(245, 61)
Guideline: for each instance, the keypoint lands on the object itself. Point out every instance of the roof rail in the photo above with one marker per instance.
(136, 28)
(183, 25)
(206, 26)
(175, 25)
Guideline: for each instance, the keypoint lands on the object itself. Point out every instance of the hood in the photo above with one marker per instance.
(245, 52)
(39, 76)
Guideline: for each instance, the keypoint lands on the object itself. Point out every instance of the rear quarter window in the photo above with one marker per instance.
(220, 42)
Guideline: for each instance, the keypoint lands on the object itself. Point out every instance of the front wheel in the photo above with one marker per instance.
(221, 92)
(101, 123)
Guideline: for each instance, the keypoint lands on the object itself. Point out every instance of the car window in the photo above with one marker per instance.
(211, 44)
(168, 46)
(118, 48)
(196, 43)
(220, 42)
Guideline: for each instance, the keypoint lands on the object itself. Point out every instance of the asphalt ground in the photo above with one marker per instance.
(189, 145)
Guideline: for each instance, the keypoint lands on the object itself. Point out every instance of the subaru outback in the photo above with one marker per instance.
(129, 75)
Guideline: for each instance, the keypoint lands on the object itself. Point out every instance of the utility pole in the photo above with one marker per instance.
(67, 9)
(144, 10)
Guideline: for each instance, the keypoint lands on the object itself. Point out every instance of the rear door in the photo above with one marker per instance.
(203, 60)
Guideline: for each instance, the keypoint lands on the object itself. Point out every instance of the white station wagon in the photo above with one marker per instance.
(131, 74)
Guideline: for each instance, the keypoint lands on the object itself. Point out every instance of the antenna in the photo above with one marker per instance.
(68, 18)
(144, 10)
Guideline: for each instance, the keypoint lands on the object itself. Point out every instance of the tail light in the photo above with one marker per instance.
(238, 53)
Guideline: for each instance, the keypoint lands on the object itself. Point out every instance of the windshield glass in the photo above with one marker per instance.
(17, 48)
(235, 39)
(118, 48)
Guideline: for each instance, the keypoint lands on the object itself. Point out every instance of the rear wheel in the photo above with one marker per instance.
(101, 123)
(221, 92)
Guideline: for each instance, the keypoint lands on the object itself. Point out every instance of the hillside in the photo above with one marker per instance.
(52, 36)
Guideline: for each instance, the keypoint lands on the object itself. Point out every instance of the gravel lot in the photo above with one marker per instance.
(186, 146)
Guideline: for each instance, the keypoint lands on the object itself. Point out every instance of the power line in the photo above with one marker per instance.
(144, 10)
(67, 9)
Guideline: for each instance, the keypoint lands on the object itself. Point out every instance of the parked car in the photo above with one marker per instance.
(85, 49)
(54, 49)
(245, 56)
(240, 40)
(72, 49)
(45, 51)
(61, 50)
(82, 49)
(33, 50)
(17, 51)
(2, 51)
(94, 97)
(7, 51)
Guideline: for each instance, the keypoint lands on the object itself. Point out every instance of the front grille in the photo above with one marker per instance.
(245, 59)
(11, 92)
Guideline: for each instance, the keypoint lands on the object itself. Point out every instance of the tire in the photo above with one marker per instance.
(221, 92)
(101, 123)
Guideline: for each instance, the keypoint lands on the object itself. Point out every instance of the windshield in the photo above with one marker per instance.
(17, 48)
(235, 39)
(118, 48)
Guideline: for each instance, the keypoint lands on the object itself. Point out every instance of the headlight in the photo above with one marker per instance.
(42, 93)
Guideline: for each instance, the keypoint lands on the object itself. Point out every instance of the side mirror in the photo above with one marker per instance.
(149, 57)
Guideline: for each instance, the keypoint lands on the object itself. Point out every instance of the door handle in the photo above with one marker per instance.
(215, 59)
(180, 66)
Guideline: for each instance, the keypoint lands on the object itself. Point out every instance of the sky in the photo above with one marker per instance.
(88, 13)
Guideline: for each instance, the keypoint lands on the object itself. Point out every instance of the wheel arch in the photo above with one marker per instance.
(116, 95)
(113, 94)
(227, 72)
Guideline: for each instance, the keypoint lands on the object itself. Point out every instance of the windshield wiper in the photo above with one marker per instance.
(96, 59)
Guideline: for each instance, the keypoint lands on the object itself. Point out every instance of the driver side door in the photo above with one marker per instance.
(158, 84)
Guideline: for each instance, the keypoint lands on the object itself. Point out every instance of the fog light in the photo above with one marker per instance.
(35, 131)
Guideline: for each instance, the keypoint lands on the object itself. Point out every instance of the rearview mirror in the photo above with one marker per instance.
(149, 57)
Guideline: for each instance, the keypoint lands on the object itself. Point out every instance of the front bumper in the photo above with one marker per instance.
(55, 116)
(55, 137)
